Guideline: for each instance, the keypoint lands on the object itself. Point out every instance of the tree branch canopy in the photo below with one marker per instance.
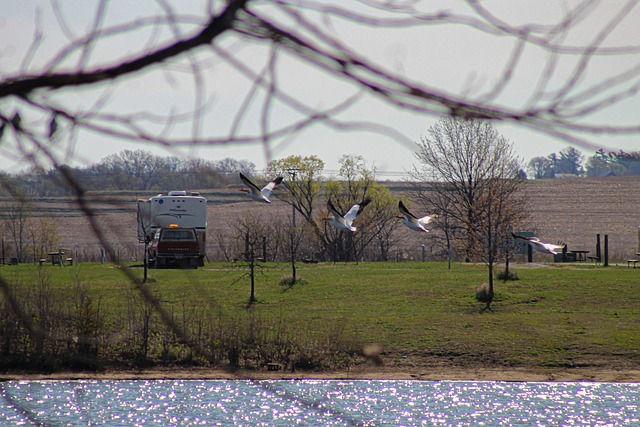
(217, 25)
(270, 45)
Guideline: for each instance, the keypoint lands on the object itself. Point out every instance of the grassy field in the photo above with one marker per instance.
(422, 314)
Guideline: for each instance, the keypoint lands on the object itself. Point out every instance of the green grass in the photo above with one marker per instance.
(554, 316)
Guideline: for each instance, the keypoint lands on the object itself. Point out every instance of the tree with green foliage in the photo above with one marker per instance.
(540, 167)
(302, 186)
(355, 183)
(616, 163)
(569, 161)
(602, 164)
(629, 161)
(303, 192)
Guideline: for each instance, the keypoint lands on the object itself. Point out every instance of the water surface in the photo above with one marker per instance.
(317, 403)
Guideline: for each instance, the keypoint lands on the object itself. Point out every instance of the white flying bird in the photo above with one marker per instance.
(256, 193)
(344, 221)
(547, 248)
(413, 222)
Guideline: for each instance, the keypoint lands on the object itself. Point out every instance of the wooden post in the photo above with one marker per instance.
(598, 251)
(264, 248)
(529, 253)
(606, 250)
(252, 273)
(246, 246)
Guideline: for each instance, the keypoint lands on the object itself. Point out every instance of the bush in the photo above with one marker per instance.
(482, 294)
(512, 275)
(288, 282)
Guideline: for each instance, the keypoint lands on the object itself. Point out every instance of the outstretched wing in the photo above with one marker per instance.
(528, 239)
(332, 210)
(268, 189)
(254, 188)
(426, 219)
(355, 211)
(554, 249)
(404, 211)
(517, 236)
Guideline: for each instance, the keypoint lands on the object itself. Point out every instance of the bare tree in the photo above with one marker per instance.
(45, 236)
(473, 177)
(499, 209)
(231, 167)
(251, 231)
(133, 169)
(446, 231)
(17, 215)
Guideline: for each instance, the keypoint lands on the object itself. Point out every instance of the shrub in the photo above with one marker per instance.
(503, 275)
(288, 282)
(482, 294)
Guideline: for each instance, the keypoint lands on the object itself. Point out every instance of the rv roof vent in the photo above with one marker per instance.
(195, 193)
(177, 193)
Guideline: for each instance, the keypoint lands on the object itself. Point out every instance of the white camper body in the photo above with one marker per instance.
(176, 207)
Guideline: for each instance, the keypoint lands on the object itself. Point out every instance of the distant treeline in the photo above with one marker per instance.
(141, 170)
(571, 162)
(127, 170)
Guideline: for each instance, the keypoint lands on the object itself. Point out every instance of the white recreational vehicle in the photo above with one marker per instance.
(175, 209)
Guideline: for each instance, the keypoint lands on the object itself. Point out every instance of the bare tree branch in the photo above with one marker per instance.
(23, 86)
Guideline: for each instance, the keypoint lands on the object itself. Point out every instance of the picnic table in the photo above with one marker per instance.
(57, 257)
(634, 261)
(580, 255)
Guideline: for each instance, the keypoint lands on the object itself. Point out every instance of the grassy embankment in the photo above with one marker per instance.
(422, 314)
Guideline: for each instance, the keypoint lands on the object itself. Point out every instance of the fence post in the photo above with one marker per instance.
(606, 250)
(264, 248)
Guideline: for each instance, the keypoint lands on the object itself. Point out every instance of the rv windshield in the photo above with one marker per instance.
(178, 235)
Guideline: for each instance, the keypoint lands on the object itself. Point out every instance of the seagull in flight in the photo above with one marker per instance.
(547, 248)
(256, 193)
(413, 222)
(344, 221)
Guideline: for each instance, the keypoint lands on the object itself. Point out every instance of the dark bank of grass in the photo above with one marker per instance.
(551, 316)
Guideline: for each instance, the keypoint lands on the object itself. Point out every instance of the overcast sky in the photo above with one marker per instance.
(453, 58)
